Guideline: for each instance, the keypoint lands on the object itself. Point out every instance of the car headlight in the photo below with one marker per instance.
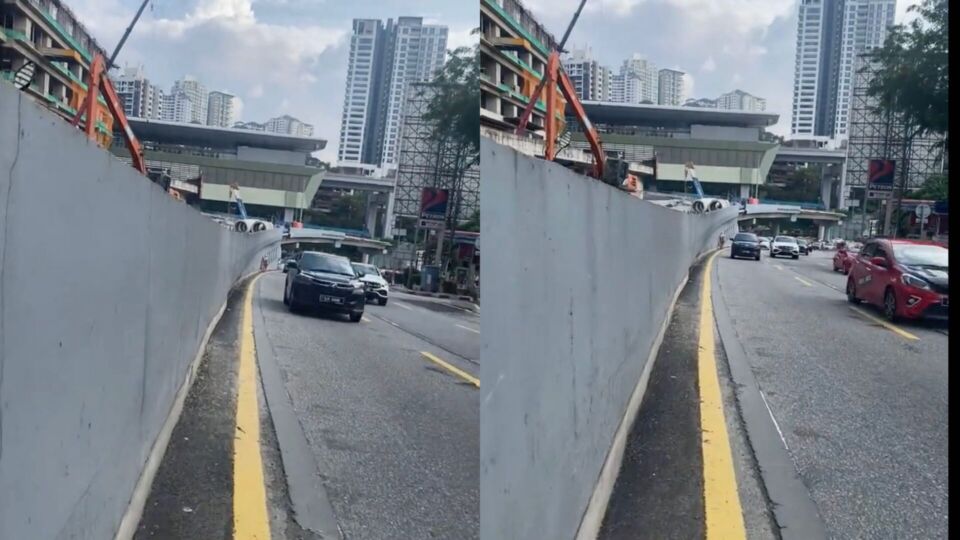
(914, 281)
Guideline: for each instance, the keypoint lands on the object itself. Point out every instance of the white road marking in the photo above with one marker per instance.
(404, 306)
(775, 424)
(778, 267)
(467, 328)
(805, 282)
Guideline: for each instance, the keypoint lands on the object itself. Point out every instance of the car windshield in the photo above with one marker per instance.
(785, 240)
(745, 237)
(368, 269)
(317, 262)
(920, 255)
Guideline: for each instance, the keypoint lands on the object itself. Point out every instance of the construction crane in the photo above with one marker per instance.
(553, 77)
(98, 82)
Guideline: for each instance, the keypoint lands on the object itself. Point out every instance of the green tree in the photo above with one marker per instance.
(912, 79)
(346, 212)
(472, 224)
(803, 185)
(934, 188)
(454, 110)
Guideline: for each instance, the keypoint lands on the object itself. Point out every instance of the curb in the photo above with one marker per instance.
(445, 296)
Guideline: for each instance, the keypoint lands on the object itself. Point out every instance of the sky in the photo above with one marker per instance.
(278, 56)
(722, 45)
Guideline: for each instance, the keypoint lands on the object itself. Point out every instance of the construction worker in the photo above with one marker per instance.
(264, 263)
(633, 185)
(723, 239)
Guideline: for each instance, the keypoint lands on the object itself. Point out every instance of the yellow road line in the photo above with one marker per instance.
(452, 369)
(250, 521)
(885, 324)
(805, 282)
(724, 516)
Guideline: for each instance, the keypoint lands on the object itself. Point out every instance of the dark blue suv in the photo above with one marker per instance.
(745, 245)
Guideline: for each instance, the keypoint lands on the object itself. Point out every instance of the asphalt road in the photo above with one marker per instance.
(862, 409)
(395, 436)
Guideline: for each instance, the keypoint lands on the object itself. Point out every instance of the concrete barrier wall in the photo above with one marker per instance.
(578, 282)
(107, 286)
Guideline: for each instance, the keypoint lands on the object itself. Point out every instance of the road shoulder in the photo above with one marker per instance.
(191, 496)
(659, 492)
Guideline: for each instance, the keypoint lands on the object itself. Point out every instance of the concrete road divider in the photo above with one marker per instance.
(577, 294)
(100, 325)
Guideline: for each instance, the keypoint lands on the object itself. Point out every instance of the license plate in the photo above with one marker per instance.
(944, 302)
(330, 299)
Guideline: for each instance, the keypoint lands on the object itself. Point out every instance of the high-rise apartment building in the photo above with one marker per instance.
(639, 80)
(590, 79)
(177, 107)
(288, 125)
(738, 100)
(831, 34)
(670, 87)
(140, 98)
(383, 60)
(186, 90)
(221, 109)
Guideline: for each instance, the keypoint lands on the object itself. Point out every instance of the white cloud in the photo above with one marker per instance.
(461, 37)
(708, 65)
(902, 16)
(295, 69)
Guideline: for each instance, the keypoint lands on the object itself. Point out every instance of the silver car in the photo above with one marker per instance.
(374, 285)
(785, 246)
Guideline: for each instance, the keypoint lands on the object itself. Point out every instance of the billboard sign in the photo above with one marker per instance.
(433, 203)
(880, 175)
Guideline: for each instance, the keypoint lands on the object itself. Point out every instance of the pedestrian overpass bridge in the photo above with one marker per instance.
(773, 211)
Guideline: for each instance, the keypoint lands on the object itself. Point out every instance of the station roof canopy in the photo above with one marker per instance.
(626, 114)
(163, 132)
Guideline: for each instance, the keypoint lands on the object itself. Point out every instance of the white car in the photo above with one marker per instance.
(374, 285)
(785, 246)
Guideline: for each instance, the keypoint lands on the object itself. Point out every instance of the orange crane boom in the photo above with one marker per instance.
(100, 83)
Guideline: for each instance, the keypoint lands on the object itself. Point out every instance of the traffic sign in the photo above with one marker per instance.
(922, 211)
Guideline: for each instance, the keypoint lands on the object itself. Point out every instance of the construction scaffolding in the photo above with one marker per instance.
(876, 135)
(425, 162)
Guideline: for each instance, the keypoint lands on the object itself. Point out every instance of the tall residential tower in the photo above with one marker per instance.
(384, 59)
(830, 35)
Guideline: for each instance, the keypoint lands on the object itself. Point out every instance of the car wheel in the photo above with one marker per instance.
(890, 306)
(292, 303)
(846, 271)
(355, 317)
(383, 301)
(757, 257)
(796, 256)
(286, 299)
(852, 292)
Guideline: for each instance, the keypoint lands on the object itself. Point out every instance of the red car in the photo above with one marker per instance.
(843, 259)
(907, 278)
